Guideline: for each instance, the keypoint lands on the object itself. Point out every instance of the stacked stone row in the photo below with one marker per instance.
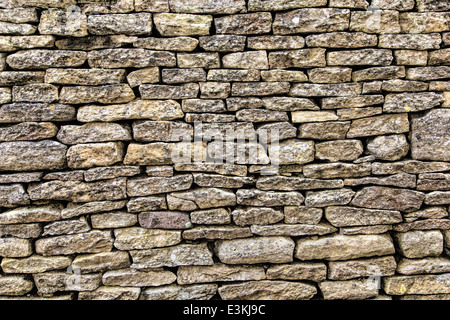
(97, 98)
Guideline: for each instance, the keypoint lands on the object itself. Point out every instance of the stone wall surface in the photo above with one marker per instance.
(224, 149)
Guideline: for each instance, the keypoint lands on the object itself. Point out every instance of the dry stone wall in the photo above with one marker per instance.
(232, 149)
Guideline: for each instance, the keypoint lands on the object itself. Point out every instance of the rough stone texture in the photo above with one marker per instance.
(231, 149)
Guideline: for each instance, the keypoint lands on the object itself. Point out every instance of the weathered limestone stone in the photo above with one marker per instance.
(172, 24)
(340, 247)
(420, 244)
(223, 43)
(91, 242)
(412, 101)
(101, 261)
(345, 270)
(23, 231)
(76, 175)
(388, 198)
(428, 5)
(348, 216)
(410, 41)
(31, 214)
(390, 147)
(378, 21)
(402, 180)
(136, 278)
(164, 220)
(6, 96)
(357, 4)
(169, 44)
(157, 91)
(94, 154)
(401, 5)
(175, 292)
(267, 290)
(127, 24)
(208, 197)
(19, 15)
(339, 150)
(295, 183)
(35, 92)
(336, 170)
(249, 23)
(312, 271)
(419, 284)
(292, 151)
(66, 227)
(439, 57)
(13, 195)
(330, 75)
(433, 181)
(275, 42)
(411, 57)
(284, 75)
(324, 130)
(183, 75)
(302, 215)
(218, 272)
(113, 220)
(10, 78)
(151, 5)
(328, 197)
(246, 60)
(74, 209)
(360, 57)
(15, 248)
(28, 131)
(324, 90)
(23, 112)
(429, 135)
(219, 181)
(297, 58)
(94, 42)
(427, 224)
(141, 238)
(141, 76)
(259, 88)
(130, 58)
(25, 155)
(146, 204)
(254, 197)
(216, 232)
(293, 230)
(208, 6)
(94, 132)
(277, 5)
(214, 90)
(113, 93)
(20, 177)
(143, 186)
(256, 216)
(414, 22)
(78, 191)
(211, 216)
(276, 131)
(398, 85)
(15, 285)
(379, 73)
(43, 59)
(311, 20)
(348, 290)
(255, 250)
(342, 40)
(260, 115)
(52, 282)
(426, 265)
(427, 213)
(379, 125)
(408, 166)
(233, 75)
(17, 29)
(59, 22)
(35, 264)
(220, 168)
(138, 109)
(198, 60)
(84, 77)
(377, 229)
(166, 131)
(351, 102)
(180, 255)
(111, 293)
